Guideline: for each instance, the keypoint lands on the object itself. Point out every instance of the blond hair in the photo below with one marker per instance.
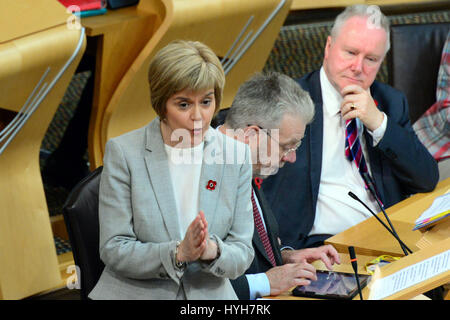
(184, 65)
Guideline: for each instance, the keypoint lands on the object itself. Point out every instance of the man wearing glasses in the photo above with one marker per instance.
(270, 113)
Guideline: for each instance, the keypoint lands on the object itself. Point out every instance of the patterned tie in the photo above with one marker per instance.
(262, 232)
(353, 150)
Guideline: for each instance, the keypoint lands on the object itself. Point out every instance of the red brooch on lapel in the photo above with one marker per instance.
(211, 185)
(258, 182)
(376, 102)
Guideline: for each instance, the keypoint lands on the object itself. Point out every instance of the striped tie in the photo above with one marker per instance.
(262, 232)
(353, 150)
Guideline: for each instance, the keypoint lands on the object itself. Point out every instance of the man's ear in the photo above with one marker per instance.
(250, 132)
(327, 47)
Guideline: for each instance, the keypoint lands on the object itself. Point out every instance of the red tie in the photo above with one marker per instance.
(353, 150)
(262, 232)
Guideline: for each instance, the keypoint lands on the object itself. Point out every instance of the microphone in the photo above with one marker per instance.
(353, 260)
(402, 244)
(369, 182)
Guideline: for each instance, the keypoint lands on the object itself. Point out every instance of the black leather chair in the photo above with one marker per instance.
(81, 217)
(413, 63)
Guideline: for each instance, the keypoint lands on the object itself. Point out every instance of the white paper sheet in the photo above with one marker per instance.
(410, 276)
(440, 204)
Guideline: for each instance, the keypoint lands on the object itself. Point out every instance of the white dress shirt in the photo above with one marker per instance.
(185, 166)
(335, 210)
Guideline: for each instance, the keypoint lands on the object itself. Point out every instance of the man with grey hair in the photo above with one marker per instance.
(361, 131)
(270, 113)
(276, 107)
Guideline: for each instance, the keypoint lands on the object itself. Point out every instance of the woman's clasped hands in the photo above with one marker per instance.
(197, 243)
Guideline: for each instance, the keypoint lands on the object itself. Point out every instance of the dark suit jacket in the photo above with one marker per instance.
(400, 164)
(261, 262)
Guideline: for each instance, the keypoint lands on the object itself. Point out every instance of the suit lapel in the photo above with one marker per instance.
(158, 171)
(210, 177)
(316, 136)
(374, 156)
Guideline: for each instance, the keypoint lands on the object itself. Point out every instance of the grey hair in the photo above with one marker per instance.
(376, 19)
(264, 99)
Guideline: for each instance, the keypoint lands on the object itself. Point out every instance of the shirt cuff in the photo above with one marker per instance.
(378, 133)
(258, 285)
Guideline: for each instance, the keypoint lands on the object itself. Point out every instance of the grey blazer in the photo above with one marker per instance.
(139, 225)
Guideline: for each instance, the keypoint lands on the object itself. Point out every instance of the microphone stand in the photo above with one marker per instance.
(369, 182)
(402, 244)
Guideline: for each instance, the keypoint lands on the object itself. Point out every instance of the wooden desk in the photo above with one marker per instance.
(115, 39)
(413, 259)
(371, 240)
(370, 237)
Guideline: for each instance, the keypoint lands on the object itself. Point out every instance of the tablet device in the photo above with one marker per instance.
(332, 285)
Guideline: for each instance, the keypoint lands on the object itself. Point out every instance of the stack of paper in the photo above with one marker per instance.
(439, 210)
